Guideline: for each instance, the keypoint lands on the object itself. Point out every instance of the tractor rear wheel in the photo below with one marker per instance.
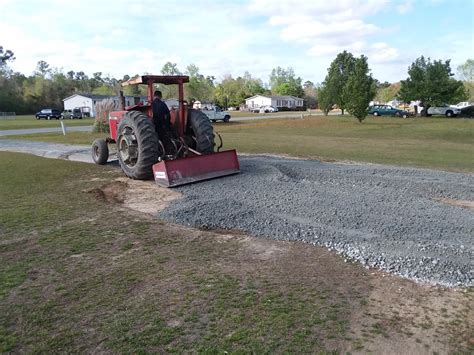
(202, 131)
(137, 145)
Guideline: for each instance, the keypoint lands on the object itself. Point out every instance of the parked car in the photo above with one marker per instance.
(267, 109)
(446, 110)
(48, 113)
(77, 113)
(216, 114)
(461, 105)
(387, 110)
(467, 111)
(67, 114)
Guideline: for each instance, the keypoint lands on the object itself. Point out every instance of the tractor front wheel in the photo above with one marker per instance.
(100, 151)
(137, 145)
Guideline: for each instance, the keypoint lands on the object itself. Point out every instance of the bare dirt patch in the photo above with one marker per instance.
(458, 203)
(387, 314)
(140, 196)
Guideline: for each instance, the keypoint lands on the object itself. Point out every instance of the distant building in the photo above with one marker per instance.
(275, 101)
(88, 101)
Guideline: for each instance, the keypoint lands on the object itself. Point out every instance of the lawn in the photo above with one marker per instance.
(273, 114)
(82, 273)
(29, 121)
(437, 143)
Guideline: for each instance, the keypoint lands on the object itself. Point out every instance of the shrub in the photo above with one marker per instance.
(103, 110)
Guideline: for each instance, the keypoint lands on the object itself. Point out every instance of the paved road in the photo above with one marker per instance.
(280, 115)
(48, 150)
(18, 132)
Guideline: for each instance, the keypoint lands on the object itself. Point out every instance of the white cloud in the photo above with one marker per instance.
(219, 36)
(405, 7)
(327, 27)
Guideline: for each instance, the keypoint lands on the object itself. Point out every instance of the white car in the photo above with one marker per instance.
(267, 109)
(446, 110)
(461, 105)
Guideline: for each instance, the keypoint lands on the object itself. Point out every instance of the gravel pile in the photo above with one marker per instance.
(384, 217)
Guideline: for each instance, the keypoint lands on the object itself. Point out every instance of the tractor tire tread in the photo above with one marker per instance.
(203, 131)
(100, 151)
(147, 141)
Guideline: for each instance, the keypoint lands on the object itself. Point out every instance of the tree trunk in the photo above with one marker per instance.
(424, 111)
(342, 111)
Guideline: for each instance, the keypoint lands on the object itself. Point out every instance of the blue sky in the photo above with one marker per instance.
(231, 37)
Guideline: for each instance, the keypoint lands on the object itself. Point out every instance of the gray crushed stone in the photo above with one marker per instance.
(383, 217)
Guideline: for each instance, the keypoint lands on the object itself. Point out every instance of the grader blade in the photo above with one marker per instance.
(171, 173)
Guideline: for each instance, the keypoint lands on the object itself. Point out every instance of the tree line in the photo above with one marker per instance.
(348, 85)
(48, 86)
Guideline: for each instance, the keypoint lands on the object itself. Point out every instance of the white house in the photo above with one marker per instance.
(275, 101)
(88, 101)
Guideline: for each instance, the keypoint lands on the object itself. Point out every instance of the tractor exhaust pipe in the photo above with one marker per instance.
(122, 101)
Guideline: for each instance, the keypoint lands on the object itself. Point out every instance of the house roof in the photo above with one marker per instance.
(276, 97)
(101, 97)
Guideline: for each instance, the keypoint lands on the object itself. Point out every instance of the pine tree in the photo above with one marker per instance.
(359, 89)
(338, 73)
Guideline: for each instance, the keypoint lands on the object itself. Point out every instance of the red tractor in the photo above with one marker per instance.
(184, 155)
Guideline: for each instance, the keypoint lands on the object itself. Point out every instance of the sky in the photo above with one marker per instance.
(225, 37)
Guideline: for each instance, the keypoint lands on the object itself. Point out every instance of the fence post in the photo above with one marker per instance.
(63, 127)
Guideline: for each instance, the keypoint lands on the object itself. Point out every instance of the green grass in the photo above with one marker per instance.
(79, 275)
(437, 143)
(29, 121)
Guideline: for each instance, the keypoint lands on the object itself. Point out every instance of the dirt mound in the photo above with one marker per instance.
(140, 196)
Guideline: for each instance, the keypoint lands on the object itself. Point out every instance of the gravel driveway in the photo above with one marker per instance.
(391, 218)
(385, 217)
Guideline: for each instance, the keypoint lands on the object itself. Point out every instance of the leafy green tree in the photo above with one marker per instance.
(325, 100)
(251, 86)
(359, 89)
(6, 55)
(387, 93)
(431, 83)
(466, 70)
(310, 94)
(284, 82)
(170, 69)
(42, 69)
(233, 92)
(199, 87)
(95, 81)
(466, 73)
(338, 74)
